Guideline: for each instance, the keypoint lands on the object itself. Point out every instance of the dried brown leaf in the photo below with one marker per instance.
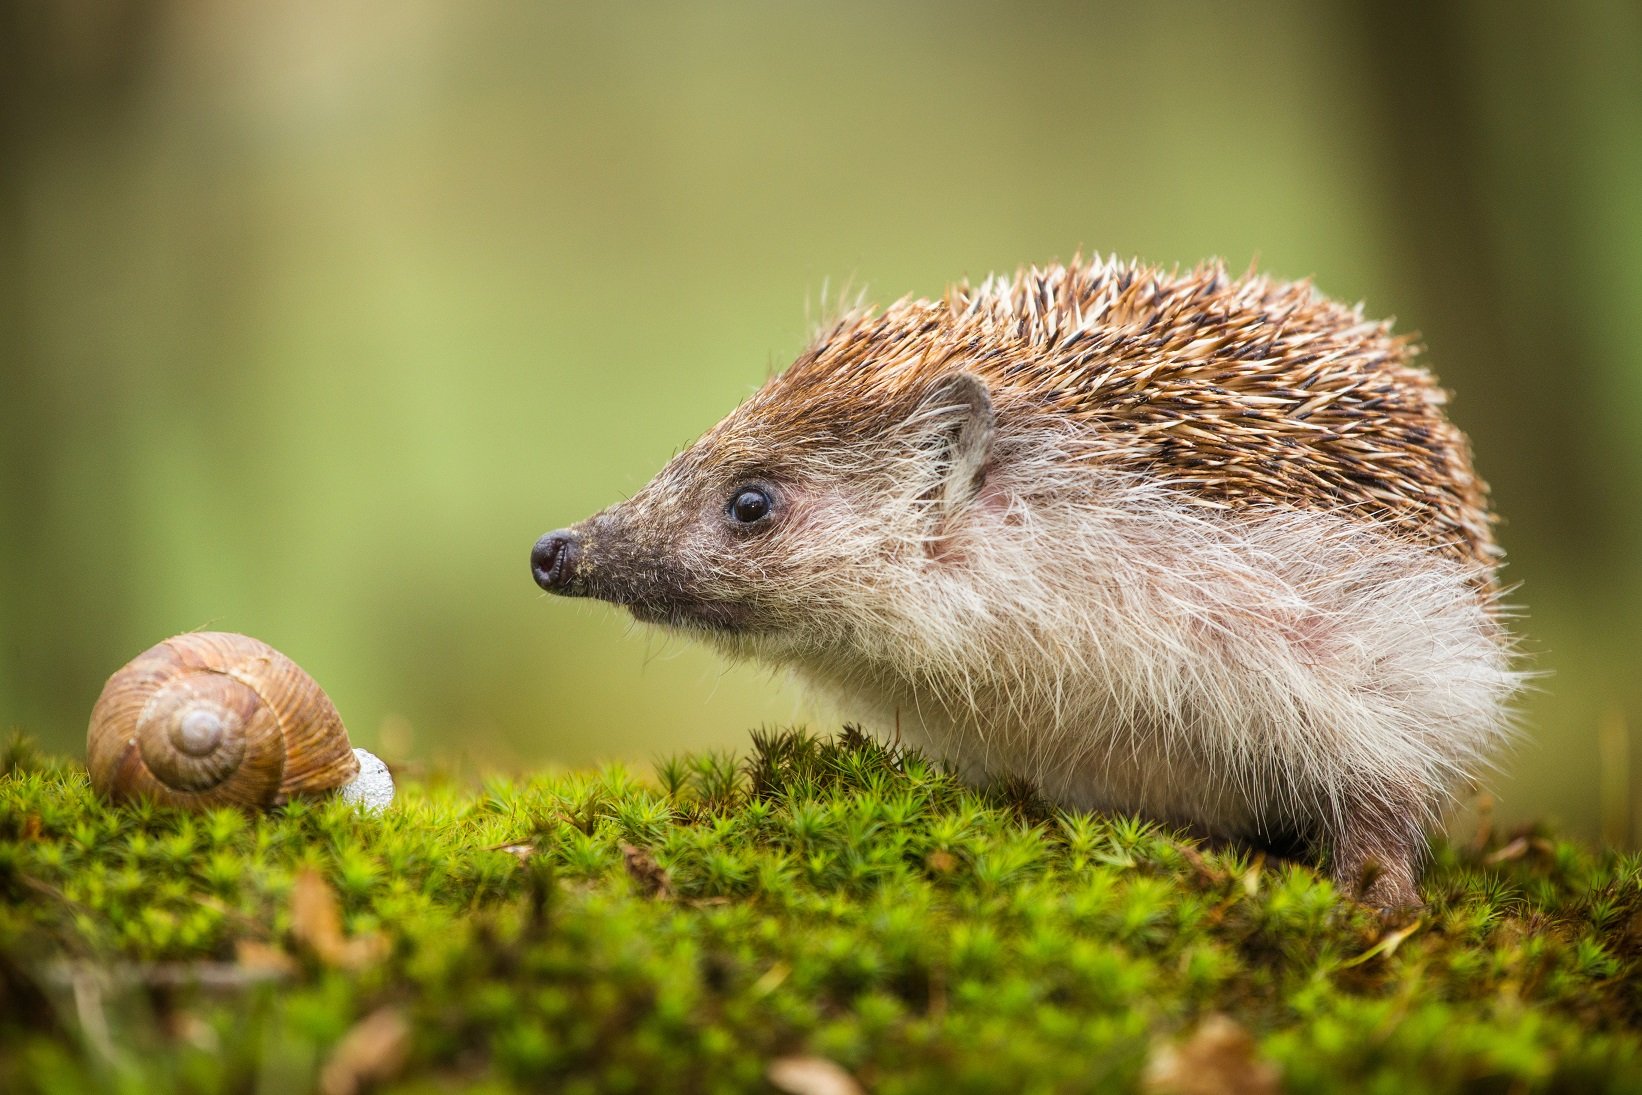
(811, 1076)
(650, 877)
(259, 958)
(1516, 849)
(316, 926)
(372, 1051)
(1386, 945)
(316, 918)
(1217, 1058)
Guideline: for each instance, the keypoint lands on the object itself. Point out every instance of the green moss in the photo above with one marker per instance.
(599, 932)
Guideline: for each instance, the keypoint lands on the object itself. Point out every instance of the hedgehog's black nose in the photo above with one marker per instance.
(553, 560)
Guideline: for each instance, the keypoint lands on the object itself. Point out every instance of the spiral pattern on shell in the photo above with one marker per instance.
(215, 719)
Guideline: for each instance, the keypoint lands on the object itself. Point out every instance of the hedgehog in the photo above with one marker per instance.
(1199, 548)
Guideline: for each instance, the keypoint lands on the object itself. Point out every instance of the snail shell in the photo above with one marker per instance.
(211, 718)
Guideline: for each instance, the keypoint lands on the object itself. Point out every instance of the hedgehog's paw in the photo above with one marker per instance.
(1388, 891)
(1378, 848)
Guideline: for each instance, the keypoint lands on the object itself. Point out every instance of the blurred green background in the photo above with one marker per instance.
(317, 314)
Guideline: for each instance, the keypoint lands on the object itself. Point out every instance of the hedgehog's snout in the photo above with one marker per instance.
(553, 561)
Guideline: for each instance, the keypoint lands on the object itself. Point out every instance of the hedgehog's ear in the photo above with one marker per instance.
(959, 410)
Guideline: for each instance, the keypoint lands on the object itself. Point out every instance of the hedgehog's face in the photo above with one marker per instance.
(773, 546)
(701, 547)
(741, 550)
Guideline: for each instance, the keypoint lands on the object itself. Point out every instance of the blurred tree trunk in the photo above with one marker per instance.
(1468, 215)
(67, 78)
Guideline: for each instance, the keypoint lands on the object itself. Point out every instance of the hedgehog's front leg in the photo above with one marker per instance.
(1378, 846)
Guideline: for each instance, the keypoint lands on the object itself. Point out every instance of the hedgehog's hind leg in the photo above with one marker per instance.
(1378, 845)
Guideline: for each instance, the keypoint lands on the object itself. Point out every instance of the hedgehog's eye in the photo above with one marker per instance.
(750, 505)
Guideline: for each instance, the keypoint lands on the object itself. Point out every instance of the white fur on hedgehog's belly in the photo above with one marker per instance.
(1151, 656)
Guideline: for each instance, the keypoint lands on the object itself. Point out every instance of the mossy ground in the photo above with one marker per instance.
(820, 900)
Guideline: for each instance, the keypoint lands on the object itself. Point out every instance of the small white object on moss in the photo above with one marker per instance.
(372, 788)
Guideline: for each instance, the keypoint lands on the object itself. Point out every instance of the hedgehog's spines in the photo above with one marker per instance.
(1235, 391)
